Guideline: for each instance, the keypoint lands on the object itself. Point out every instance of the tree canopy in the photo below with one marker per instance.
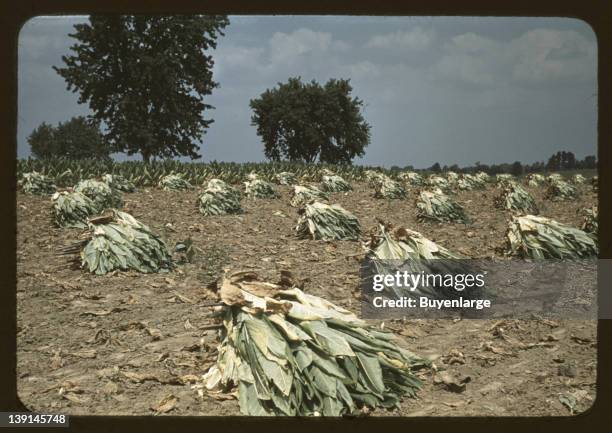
(303, 122)
(562, 160)
(145, 78)
(77, 138)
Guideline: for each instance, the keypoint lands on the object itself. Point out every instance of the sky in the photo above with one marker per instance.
(436, 89)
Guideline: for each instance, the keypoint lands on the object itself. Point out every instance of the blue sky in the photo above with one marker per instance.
(436, 89)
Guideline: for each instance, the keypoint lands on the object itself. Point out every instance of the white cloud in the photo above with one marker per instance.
(234, 58)
(299, 53)
(341, 45)
(543, 54)
(416, 39)
(537, 56)
(471, 43)
(286, 47)
(365, 69)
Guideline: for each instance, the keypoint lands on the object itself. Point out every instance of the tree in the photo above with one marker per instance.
(41, 141)
(145, 77)
(516, 168)
(589, 162)
(76, 139)
(561, 161)
(435, 168)
(303, 122)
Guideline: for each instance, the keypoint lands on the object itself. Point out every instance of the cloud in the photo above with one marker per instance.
(543, 54)
(537, 56)
(471, 43)
(286, 47)
(417, 39)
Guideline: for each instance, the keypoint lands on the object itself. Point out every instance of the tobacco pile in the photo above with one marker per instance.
(117, 241)
(257, 188)
(36, 183)
(103, 195)
(327, 222)
(334, 183)
(391, 249)
(71, 209)
(286, 178)
(288, 353)
(174, 182)
(412, 178)
(385, 187)
(437, 206)
(514, 197)
(560, 190)
(537, 237)
(118, 182)
(219, 198)
(303, 194)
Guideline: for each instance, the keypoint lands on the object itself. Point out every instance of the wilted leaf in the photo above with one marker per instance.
(568, 401)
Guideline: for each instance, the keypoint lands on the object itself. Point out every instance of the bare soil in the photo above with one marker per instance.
(134, 344)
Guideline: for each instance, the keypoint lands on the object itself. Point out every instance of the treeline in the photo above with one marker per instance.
(560, 161)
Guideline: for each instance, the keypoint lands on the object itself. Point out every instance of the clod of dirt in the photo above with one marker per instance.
(110, 388)
(454, 357)
(451, 383)
(492, 388)
(541, 377)
(567, 370)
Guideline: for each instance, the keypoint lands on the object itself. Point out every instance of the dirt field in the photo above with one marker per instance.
(133, 344)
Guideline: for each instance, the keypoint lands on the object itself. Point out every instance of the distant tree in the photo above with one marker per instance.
(561, 161)
(76, 139)
(145, 77)
(42, 142)
(535, 167)
(435, 168)
(590, 162)
(516, 168)
(306, 122)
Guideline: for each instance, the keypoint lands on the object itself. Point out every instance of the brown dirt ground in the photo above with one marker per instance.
(123, 344)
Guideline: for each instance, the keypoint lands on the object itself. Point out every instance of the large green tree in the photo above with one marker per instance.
(76, 139)
(307, 122)
(145, 78)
